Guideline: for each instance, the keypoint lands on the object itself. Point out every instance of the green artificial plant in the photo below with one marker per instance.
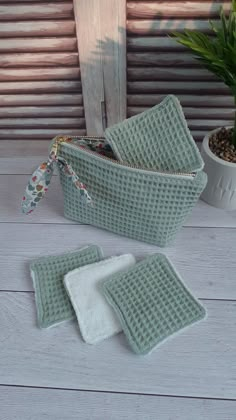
(216, 52)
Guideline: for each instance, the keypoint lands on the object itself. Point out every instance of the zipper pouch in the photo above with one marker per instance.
(142, 202)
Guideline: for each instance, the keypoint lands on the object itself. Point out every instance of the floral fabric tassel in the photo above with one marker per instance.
(41, 178)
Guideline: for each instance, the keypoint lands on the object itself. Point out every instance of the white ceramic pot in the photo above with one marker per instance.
(221, 186)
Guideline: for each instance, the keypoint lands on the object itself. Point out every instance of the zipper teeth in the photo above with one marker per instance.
(192, 174)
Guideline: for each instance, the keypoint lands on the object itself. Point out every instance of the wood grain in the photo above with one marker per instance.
(180, 9)
(38, 44)
(39, 59)
(193, 244)
(102, 52)
(178, 87)
(186, 100)
(37, 28)
(42, 111)
(31, 1)
(165, 26)
(41, 99)
(161, 59)
(154, 43)
(40, 73)
(21, 149)
(57, 123)
(41, 87)
(47, 10)
(20, 403)
(168, 73)
(194, 112)
(185, 365)
(47, 133)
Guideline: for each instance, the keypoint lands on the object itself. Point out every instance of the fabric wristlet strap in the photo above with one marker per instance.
(41, 178)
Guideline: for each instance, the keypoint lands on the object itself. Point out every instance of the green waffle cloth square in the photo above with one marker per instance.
(151, 302)
(158, 138)
(52, 302)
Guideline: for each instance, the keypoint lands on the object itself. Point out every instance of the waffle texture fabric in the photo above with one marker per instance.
(158, 138)
(151, 302)
(141, 204)
(96, 318)
(52, 303)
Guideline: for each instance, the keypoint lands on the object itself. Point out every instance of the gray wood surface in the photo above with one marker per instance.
(209, 280)
(191, 375)
(37, 404)
(198, 362)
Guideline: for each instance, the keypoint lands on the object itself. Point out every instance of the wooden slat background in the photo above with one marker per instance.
(40, 84)
(157, 65)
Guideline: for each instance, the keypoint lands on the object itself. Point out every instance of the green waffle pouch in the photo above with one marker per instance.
(150, 187)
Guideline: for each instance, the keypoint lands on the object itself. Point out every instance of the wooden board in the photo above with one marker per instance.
(56, 404)
(40, 73)
(38, 86)
(38, 44)
(193, 113)
(22, 149)
(168, 73)
(41, 99)
(178, 87)
(102, 61)
(48, 10)
(165, 26)
(42, 111)
(157, 63)
(161, 59)
(178, 9)
(38, 133)
(223, 101)
(59, 358)
(42, 122)
(154, 43)
(39, 59)
(24, 242)
(37, 28)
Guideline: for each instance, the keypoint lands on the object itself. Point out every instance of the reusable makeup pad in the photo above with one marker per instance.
(151, 302)
(52, 303)
(96, 318)
(158, 138)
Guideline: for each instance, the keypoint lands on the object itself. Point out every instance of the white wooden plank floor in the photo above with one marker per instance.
(53, 374)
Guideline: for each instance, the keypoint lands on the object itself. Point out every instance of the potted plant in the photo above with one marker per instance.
(217, 53)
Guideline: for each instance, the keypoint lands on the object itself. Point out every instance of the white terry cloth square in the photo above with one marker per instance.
(96, 318)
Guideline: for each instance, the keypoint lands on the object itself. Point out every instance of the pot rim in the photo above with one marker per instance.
(207, 149)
